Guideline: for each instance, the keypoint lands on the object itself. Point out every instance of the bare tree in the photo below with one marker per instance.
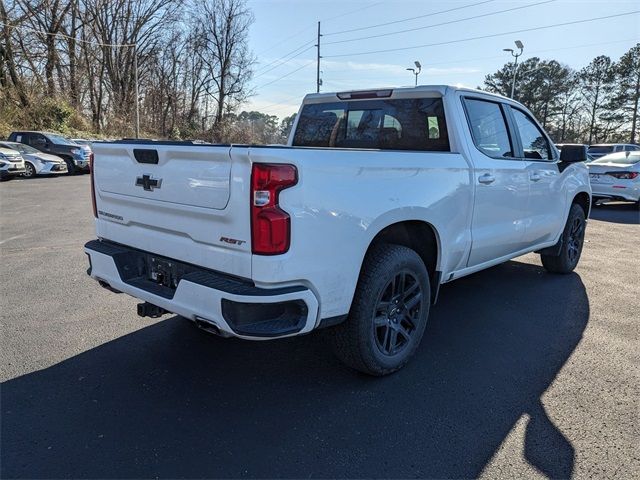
(222, 29)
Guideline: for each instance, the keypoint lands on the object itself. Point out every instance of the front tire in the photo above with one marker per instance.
(71, 167)
(29, 170)
(572, 241)
(389, 312)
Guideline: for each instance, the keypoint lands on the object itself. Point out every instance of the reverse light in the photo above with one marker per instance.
(270, 225)
(623, 175)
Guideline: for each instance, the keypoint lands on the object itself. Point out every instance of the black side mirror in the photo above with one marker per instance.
(573, 152)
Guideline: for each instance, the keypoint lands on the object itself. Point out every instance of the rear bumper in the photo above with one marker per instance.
(629, 192)
(233, 306)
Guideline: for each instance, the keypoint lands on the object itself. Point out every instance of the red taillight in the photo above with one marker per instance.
(270, 225)
(93, 187)
(623, 175)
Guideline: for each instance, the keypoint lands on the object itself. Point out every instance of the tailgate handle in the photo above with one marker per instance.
(146, 155)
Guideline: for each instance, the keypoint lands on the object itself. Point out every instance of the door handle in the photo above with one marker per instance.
(486, 179)
(535, 177)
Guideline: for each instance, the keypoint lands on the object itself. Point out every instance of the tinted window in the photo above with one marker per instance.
(600, 149)
(404, 124)
(37, 140)
(488, 128)
(60, 140)
(534, 143)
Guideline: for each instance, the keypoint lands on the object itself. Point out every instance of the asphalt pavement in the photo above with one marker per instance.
(520, 372)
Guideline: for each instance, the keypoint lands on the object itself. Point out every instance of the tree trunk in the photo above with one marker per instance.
(634, 119)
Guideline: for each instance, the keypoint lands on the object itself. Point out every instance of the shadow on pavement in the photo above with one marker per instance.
(170, 401)
(616, 212)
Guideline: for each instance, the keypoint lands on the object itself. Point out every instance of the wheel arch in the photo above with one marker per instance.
(418, 235)
(29, 162)
(584, 200)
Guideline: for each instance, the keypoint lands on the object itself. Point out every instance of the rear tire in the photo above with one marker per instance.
(389, 312)
(572, 241)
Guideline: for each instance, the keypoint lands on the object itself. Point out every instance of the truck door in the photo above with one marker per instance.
(501, 184)
(545, 210)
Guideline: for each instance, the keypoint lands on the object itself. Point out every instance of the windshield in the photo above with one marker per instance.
(21, 147)
(60, 140)
(600, 149)
(623, 158)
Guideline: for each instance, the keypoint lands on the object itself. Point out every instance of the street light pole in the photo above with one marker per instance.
(416, 72)
(520, 46)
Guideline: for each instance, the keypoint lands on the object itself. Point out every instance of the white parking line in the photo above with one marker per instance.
(11, 238)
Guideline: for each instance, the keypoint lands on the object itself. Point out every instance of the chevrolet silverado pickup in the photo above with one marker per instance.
(378, 198)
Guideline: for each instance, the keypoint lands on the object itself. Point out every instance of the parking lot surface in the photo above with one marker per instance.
(520, 373)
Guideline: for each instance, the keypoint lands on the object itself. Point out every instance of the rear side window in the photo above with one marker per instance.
(401, 124)
(600, 149)
(488, 128)
(534, 143)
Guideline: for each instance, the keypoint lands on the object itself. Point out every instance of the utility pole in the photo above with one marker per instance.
(135, 74)
(318, 81)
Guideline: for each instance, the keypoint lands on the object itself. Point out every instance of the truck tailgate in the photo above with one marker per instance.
(184, 201)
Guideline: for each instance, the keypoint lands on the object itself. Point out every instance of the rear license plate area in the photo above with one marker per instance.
(164, 272)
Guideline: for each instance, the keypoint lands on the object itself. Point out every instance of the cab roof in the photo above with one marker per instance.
(420, 90)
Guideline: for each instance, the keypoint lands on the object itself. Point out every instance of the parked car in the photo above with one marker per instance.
(616, 177)
(11, 163)
(601, 149)
(75, 156)
(378, 198)
(589, 157)
(37, 162)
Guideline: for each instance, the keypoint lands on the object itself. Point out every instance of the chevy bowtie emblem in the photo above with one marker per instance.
(148, 183)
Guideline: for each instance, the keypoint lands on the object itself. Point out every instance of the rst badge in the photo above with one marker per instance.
(148, 183)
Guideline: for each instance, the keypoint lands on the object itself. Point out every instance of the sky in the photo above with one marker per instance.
(284, 33)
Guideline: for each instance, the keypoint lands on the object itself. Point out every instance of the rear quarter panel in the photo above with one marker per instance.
(344, 198)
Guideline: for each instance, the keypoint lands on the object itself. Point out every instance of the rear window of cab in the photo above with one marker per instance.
(389, 124)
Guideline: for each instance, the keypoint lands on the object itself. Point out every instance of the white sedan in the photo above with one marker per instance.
(37, 162)
(616, 177)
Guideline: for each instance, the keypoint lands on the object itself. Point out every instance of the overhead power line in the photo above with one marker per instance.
(267, 50)
(299, 32)
(287, 74)
(284, 60)
(408, 19)
(441, 24)
(480, 37)
(352, 11)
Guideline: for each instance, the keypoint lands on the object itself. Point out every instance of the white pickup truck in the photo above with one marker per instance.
(379, 198)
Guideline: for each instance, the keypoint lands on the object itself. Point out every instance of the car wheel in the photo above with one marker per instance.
(71, 167)
(572, 241)
(389, 312)
(29, 170)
